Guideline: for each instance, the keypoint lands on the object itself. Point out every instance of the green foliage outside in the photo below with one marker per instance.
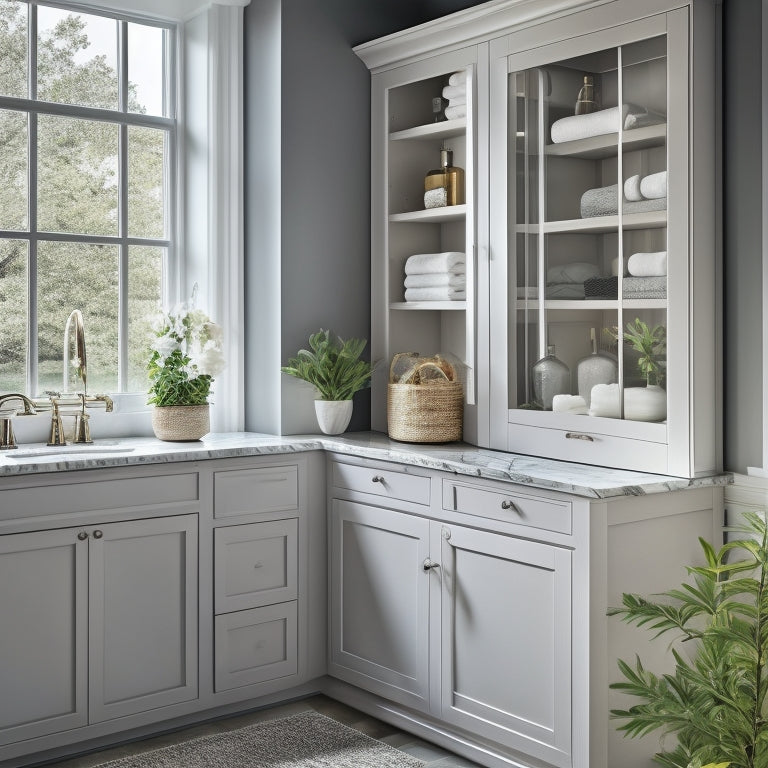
(333, 367)
(78, 194)
(714, 701)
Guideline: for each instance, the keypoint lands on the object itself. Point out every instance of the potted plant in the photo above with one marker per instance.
(715, 700)
(334, 368)
(647, 403)
(185, 356)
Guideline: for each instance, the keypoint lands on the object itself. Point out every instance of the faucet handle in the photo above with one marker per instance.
(56, 436)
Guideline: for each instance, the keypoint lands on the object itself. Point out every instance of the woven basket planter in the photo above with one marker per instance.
(431, 413)
(181, 423)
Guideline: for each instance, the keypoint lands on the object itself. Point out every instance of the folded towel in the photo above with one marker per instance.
(569, 404)
(565, 291)
(601, 288)
(576, 272)
(458, 78)
(455, 91)
(644, 287)
(453, 113)
(436, 198)
(604, 401)
(654, 186)
(429, 263)
(639, 118)
(444, 293)
(647, 264)
(603, 201)
(457, 101)
(601, 122)
(436, 280)
(632, 188)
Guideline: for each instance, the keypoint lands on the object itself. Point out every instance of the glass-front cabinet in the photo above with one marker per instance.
(592, 203)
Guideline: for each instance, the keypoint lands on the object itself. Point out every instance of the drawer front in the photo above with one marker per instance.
(511, 507)
(255, 646)
(382, 482)
(253, 491)
(255, 564)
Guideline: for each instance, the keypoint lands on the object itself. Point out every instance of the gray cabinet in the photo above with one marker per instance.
(99, 622)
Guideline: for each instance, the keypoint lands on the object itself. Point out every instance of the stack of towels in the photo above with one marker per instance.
(652, 187)
(456, 94)
(648, 276)
(603, 121)
(604, 201)
(436, 277)
(567, 280)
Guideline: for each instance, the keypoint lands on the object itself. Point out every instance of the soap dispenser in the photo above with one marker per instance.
(586, 101)
(444, 185)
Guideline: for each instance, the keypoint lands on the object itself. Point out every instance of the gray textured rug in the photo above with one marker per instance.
(307, 740)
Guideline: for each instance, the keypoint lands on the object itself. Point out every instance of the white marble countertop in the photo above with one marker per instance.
(459, 458)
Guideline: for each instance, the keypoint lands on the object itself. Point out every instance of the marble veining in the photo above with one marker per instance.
(458, 458)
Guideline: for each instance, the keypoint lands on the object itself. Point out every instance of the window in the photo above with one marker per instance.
(87, 208)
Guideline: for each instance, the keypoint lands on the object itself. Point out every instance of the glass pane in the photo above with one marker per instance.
(13, 44)
(145, 271)
(77, 58)
(14, 311)
(85, 277)
(13, 170)
(145, 69)
(645, 364)
(77, 176)
(146, 187)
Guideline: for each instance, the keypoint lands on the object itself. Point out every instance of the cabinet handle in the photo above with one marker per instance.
(579, 436)
(429, 565)
(258, 564)
(506, 504)
(377, 479)
(82, 536)
(97, 534)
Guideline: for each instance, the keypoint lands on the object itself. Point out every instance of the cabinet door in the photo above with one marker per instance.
(506, 640)
(143, 624)
(43, 640)
(379, 601)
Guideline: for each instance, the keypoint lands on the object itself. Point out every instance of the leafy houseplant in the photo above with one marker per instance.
(714, 702)
(334, 368)
(651, 344)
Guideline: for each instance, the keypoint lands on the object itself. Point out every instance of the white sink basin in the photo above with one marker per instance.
(67, 451)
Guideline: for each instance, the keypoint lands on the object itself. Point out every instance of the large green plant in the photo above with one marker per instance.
(651, 345)
(715, 700)
(333, 367)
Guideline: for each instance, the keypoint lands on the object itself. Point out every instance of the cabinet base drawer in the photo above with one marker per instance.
(253, 491)
(256, 645)
(390, 484)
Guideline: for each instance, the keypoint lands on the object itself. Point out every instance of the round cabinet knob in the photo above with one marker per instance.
(507, 504)
(82, 536)
(97, 534)
(429, 565)
(378, 479)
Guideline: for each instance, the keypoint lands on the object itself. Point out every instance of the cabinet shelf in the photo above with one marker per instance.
(590, 304)
(444, 130)
(431, 215)
(599, 147)
(598, 224)
(429, 305)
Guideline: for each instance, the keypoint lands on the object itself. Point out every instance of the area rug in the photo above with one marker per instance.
(306, 740)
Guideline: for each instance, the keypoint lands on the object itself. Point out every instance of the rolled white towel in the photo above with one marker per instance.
(436, 280)
(632, 188)
(429, 263)
(453, 113)
(601, 122)
(648, 264)
(654, 186)
(604, 401)
(451, 92)
(444, 293)
(457, 101)
(569, 404)
(458, 78)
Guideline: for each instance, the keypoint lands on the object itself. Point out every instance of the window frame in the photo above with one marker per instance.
(123, 119)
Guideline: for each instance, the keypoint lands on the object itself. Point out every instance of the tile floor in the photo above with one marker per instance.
(433, 756)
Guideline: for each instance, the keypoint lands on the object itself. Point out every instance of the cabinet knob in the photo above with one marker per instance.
(82, 536)
(258, 564)
(377, 479)
(429, 565)
(97, 534)
(506, 504)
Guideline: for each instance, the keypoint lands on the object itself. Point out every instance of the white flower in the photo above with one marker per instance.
(211, 361)
(165, 345)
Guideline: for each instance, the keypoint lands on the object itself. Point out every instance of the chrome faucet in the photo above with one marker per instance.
(77, 316)
(7, 438)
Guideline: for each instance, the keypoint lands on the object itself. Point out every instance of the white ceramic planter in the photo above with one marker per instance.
(333, 415)
(645, 403)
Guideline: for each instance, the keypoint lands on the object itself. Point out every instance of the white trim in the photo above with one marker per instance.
(168, 10)
(764, 94)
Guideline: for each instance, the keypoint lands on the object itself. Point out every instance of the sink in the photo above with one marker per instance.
(67, 451)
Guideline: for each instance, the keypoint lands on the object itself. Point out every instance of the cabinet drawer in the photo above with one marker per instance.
(255, 646)
(255, 564)
(496, 504)
(382, 482)
(251, 491)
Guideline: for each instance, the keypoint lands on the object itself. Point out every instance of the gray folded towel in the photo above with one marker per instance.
(644, 287)
(604, 201)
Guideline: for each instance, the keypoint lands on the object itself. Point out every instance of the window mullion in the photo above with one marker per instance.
(122, 312)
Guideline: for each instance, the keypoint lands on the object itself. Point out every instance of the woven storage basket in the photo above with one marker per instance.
(431, 413)
(181, 423)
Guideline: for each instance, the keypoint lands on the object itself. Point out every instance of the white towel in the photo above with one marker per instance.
(429, 263)
(632, 188)
(569, 404)
(576, 272)
(654, 186)
(453, 113)
(648, 264)
(601, 122)
(451, 92)
(639, 118)
(604, 401)
(443, 293)
(458, 78)
(457, 101)
(437, 280)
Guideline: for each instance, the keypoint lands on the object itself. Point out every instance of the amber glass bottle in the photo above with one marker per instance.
(445, 185)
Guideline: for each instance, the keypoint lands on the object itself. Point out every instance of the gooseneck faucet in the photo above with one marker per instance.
(75, 316)
(7, 438)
